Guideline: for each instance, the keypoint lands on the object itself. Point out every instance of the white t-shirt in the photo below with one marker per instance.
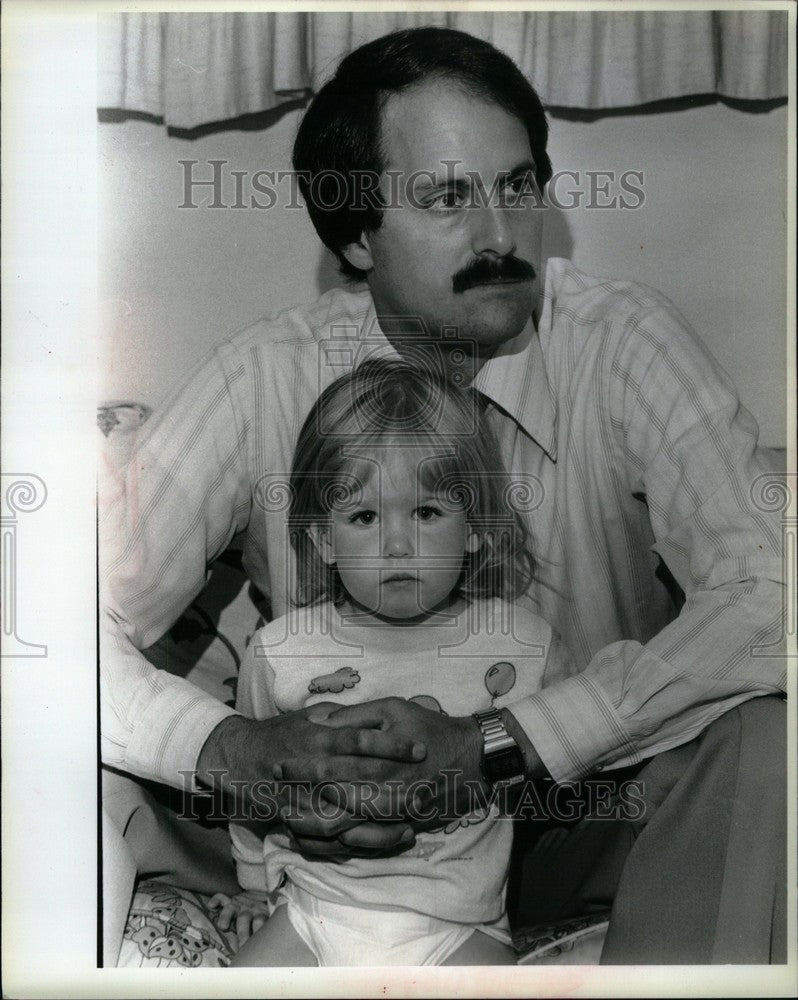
(491, 654)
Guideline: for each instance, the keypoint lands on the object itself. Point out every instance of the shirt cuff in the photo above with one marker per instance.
(573, 728)
(166, 742)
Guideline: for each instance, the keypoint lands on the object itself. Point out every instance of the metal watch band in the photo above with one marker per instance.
(494, 733)
(499, 750)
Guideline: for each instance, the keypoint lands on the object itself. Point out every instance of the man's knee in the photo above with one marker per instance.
(768, 714)
(738, 761)
(755, 733)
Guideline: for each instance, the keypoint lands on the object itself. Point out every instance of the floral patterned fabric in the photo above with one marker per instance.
(173, 928)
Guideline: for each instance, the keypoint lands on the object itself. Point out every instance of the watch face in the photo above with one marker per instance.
(504, 765)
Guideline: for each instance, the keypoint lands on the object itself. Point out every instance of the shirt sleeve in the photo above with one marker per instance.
(688, 449)
(174, 507)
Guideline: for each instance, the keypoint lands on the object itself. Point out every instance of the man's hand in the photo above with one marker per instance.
(243, 754)
(373, 773)
(392, 790)
(425, 793)
(245, 750)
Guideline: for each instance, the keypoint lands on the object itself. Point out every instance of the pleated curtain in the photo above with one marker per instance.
(192, 69)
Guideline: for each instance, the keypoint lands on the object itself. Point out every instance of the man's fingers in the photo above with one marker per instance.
(367, 715)
(317, 770)
(379, 838)
(330, 849)
(372, 742)
(372, 727)
(308, 815)
(370, 800)
(344, 769)
(319, 711)
(370, 790)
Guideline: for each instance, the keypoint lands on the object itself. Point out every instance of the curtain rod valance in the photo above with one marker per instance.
(194, 68)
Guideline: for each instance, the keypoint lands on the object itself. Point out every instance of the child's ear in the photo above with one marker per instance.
(473, 542)
(320, 536)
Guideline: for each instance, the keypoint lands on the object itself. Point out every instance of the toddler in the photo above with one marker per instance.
(408, 554)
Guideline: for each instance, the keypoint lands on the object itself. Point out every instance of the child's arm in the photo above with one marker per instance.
(255, 693)
(244, 913)
(555, 663)
(559, 663)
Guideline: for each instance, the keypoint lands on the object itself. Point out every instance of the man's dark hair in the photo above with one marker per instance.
(338, 144)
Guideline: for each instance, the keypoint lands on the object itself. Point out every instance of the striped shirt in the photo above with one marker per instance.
(623, 436)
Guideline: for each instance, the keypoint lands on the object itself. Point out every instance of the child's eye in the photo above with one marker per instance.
(363, 517)
(427, 512)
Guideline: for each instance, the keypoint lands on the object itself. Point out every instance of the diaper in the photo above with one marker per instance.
(340, 935)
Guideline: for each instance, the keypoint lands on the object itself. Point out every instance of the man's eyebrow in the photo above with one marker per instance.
(427, 182)
(460, 185)
(526, 167)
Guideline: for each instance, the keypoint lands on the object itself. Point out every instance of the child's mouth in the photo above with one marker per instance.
(398, 578)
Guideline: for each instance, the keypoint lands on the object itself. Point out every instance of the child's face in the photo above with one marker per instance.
(398, 549)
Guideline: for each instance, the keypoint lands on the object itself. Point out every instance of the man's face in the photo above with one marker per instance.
(449, 217)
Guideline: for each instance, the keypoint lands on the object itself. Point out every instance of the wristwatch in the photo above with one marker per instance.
(502, 760)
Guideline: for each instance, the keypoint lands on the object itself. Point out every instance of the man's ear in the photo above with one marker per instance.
(359, 254)
(320, 536)
(473, 542)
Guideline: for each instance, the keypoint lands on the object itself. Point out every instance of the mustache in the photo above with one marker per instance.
(488, 271)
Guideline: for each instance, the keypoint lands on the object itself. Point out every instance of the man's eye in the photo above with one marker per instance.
(427, 512)
(363, 517)
(523, 186)
(447, 201)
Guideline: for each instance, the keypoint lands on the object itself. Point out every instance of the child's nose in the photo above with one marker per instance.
(397, 543)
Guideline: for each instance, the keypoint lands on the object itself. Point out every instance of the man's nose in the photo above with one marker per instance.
(398, 541)
(491, 231)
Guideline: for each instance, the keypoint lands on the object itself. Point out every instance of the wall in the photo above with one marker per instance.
(711, 234)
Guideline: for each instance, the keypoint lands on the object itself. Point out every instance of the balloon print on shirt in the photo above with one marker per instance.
(344, 677)
(427, 701)
(499, 679)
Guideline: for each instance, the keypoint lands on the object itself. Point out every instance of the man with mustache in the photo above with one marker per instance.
(655, 565)
(486, 271)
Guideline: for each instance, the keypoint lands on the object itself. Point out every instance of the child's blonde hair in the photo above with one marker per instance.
(395, 403)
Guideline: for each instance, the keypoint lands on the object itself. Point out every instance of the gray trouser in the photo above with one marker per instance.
(700, 876)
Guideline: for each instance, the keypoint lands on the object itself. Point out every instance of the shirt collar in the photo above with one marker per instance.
(514, 379)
